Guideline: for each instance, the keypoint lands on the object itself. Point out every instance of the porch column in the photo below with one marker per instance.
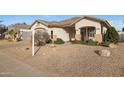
(98, 35)
(86, 33)
(78, 34)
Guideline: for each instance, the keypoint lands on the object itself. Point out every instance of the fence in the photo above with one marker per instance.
(121, 36)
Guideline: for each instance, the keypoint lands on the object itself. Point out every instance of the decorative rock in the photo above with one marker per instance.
(105, 53)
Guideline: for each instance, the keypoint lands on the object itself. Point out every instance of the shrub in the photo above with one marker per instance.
(59, 41)
(13, 35)
(106, 44)
(49, 41)
(41, 38)
(3, 29)
(76, 42)
(111, 35)
(90, 42)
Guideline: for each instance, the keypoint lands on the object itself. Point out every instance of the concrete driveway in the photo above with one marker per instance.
(13, 67)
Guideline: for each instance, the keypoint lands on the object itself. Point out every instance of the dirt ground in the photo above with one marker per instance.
(62, 60)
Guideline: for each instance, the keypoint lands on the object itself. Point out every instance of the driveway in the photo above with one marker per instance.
(13, 67)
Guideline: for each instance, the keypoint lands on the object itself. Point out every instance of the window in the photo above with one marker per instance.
(91, 33)
(51, 34)
(104, 32)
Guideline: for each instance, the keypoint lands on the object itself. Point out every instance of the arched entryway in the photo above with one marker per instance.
(87, 33)
(40, 29)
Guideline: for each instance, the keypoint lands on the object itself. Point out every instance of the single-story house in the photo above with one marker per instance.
(23, 28)
(79, 28)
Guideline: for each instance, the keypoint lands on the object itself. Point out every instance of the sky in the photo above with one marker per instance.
(116, 20)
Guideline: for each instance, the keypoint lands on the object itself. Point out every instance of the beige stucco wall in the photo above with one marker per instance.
(36, 25)
(78, 34)
(84, 23)
(98, 37)
(60, 33)
(57, 32)
(104, 29)
(63, 33)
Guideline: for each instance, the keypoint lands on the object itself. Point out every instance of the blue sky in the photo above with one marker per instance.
(117, 20)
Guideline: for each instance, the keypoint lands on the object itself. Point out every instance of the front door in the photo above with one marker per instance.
(83, 34)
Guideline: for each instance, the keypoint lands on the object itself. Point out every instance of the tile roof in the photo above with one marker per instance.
(70, 22)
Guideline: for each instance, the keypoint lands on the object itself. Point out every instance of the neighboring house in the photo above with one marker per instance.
(23, 28)
(79, 28)
(26, 34)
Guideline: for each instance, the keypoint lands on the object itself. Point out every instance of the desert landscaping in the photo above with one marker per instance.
(82, 46)
(62, 60)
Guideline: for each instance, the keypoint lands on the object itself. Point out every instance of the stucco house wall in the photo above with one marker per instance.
(104, 29)
(57, 32)
(85, 23)
(73, 29)
(38, 25)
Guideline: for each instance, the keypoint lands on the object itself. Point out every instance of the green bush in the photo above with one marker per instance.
(13, 35)
(111, 35)
(106, 44)
(76, 42)
(59, 41)
(3, 29)
(90, 42)
(49, 41)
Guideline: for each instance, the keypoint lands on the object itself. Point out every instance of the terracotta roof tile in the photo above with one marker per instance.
(70, 22)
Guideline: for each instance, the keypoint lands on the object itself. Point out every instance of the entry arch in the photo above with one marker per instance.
(87, 32)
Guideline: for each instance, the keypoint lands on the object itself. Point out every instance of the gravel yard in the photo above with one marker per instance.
(67, 59)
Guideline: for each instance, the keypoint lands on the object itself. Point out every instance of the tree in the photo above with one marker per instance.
(3, 29)
(123, 29)
(111, 35)
(41, 38)
(13, 35)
